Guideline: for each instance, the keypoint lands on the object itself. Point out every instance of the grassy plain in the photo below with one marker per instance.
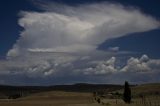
(150, 101)
(142, 95)
(151, 97)
(53, 98)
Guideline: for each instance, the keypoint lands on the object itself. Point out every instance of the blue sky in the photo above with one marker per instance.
(84, 40)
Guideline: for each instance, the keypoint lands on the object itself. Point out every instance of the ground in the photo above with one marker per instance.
(143, 95)
(54, 98)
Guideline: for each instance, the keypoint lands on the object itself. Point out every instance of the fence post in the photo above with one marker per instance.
(150, 103)
(116, 101)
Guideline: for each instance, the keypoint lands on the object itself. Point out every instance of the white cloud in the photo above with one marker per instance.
(113, 49)
(62, 41)
(78, 28)
(144, 58)
(102, 68)
(142, 65)
(65, 67)
(36, 65)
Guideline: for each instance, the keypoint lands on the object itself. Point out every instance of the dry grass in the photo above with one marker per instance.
(149, 101)
(145, 90)
(150, 92)
(59, 98)
(55, 98)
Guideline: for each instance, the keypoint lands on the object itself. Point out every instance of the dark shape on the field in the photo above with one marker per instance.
(127, 93)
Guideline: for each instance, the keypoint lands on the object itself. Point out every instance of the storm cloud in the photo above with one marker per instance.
(63, 28)
(59, 45)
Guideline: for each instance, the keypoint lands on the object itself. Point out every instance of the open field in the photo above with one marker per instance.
(150, 92)
(21, 91)
(75, 99)
(142, 95)
(147, 89)
(54, 98)
(150, 101)
(152, 89)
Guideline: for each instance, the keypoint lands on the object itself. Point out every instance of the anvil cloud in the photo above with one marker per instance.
(62, 28)
(59, 45)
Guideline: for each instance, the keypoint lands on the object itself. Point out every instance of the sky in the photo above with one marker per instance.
(73, 41)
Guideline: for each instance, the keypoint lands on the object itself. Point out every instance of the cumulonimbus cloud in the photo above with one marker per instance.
(53, 42)
(63, 28)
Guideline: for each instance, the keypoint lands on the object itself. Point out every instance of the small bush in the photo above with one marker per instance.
(99, 100)
(14, 96)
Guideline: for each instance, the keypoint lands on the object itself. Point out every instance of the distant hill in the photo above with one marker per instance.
(147, 89)
(83, 87)
(144, 89)
(19, 91)
(14, 92)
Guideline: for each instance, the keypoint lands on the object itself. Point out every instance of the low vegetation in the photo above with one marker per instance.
(142, 95)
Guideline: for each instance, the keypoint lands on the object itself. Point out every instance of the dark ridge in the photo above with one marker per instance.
(13, 92)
